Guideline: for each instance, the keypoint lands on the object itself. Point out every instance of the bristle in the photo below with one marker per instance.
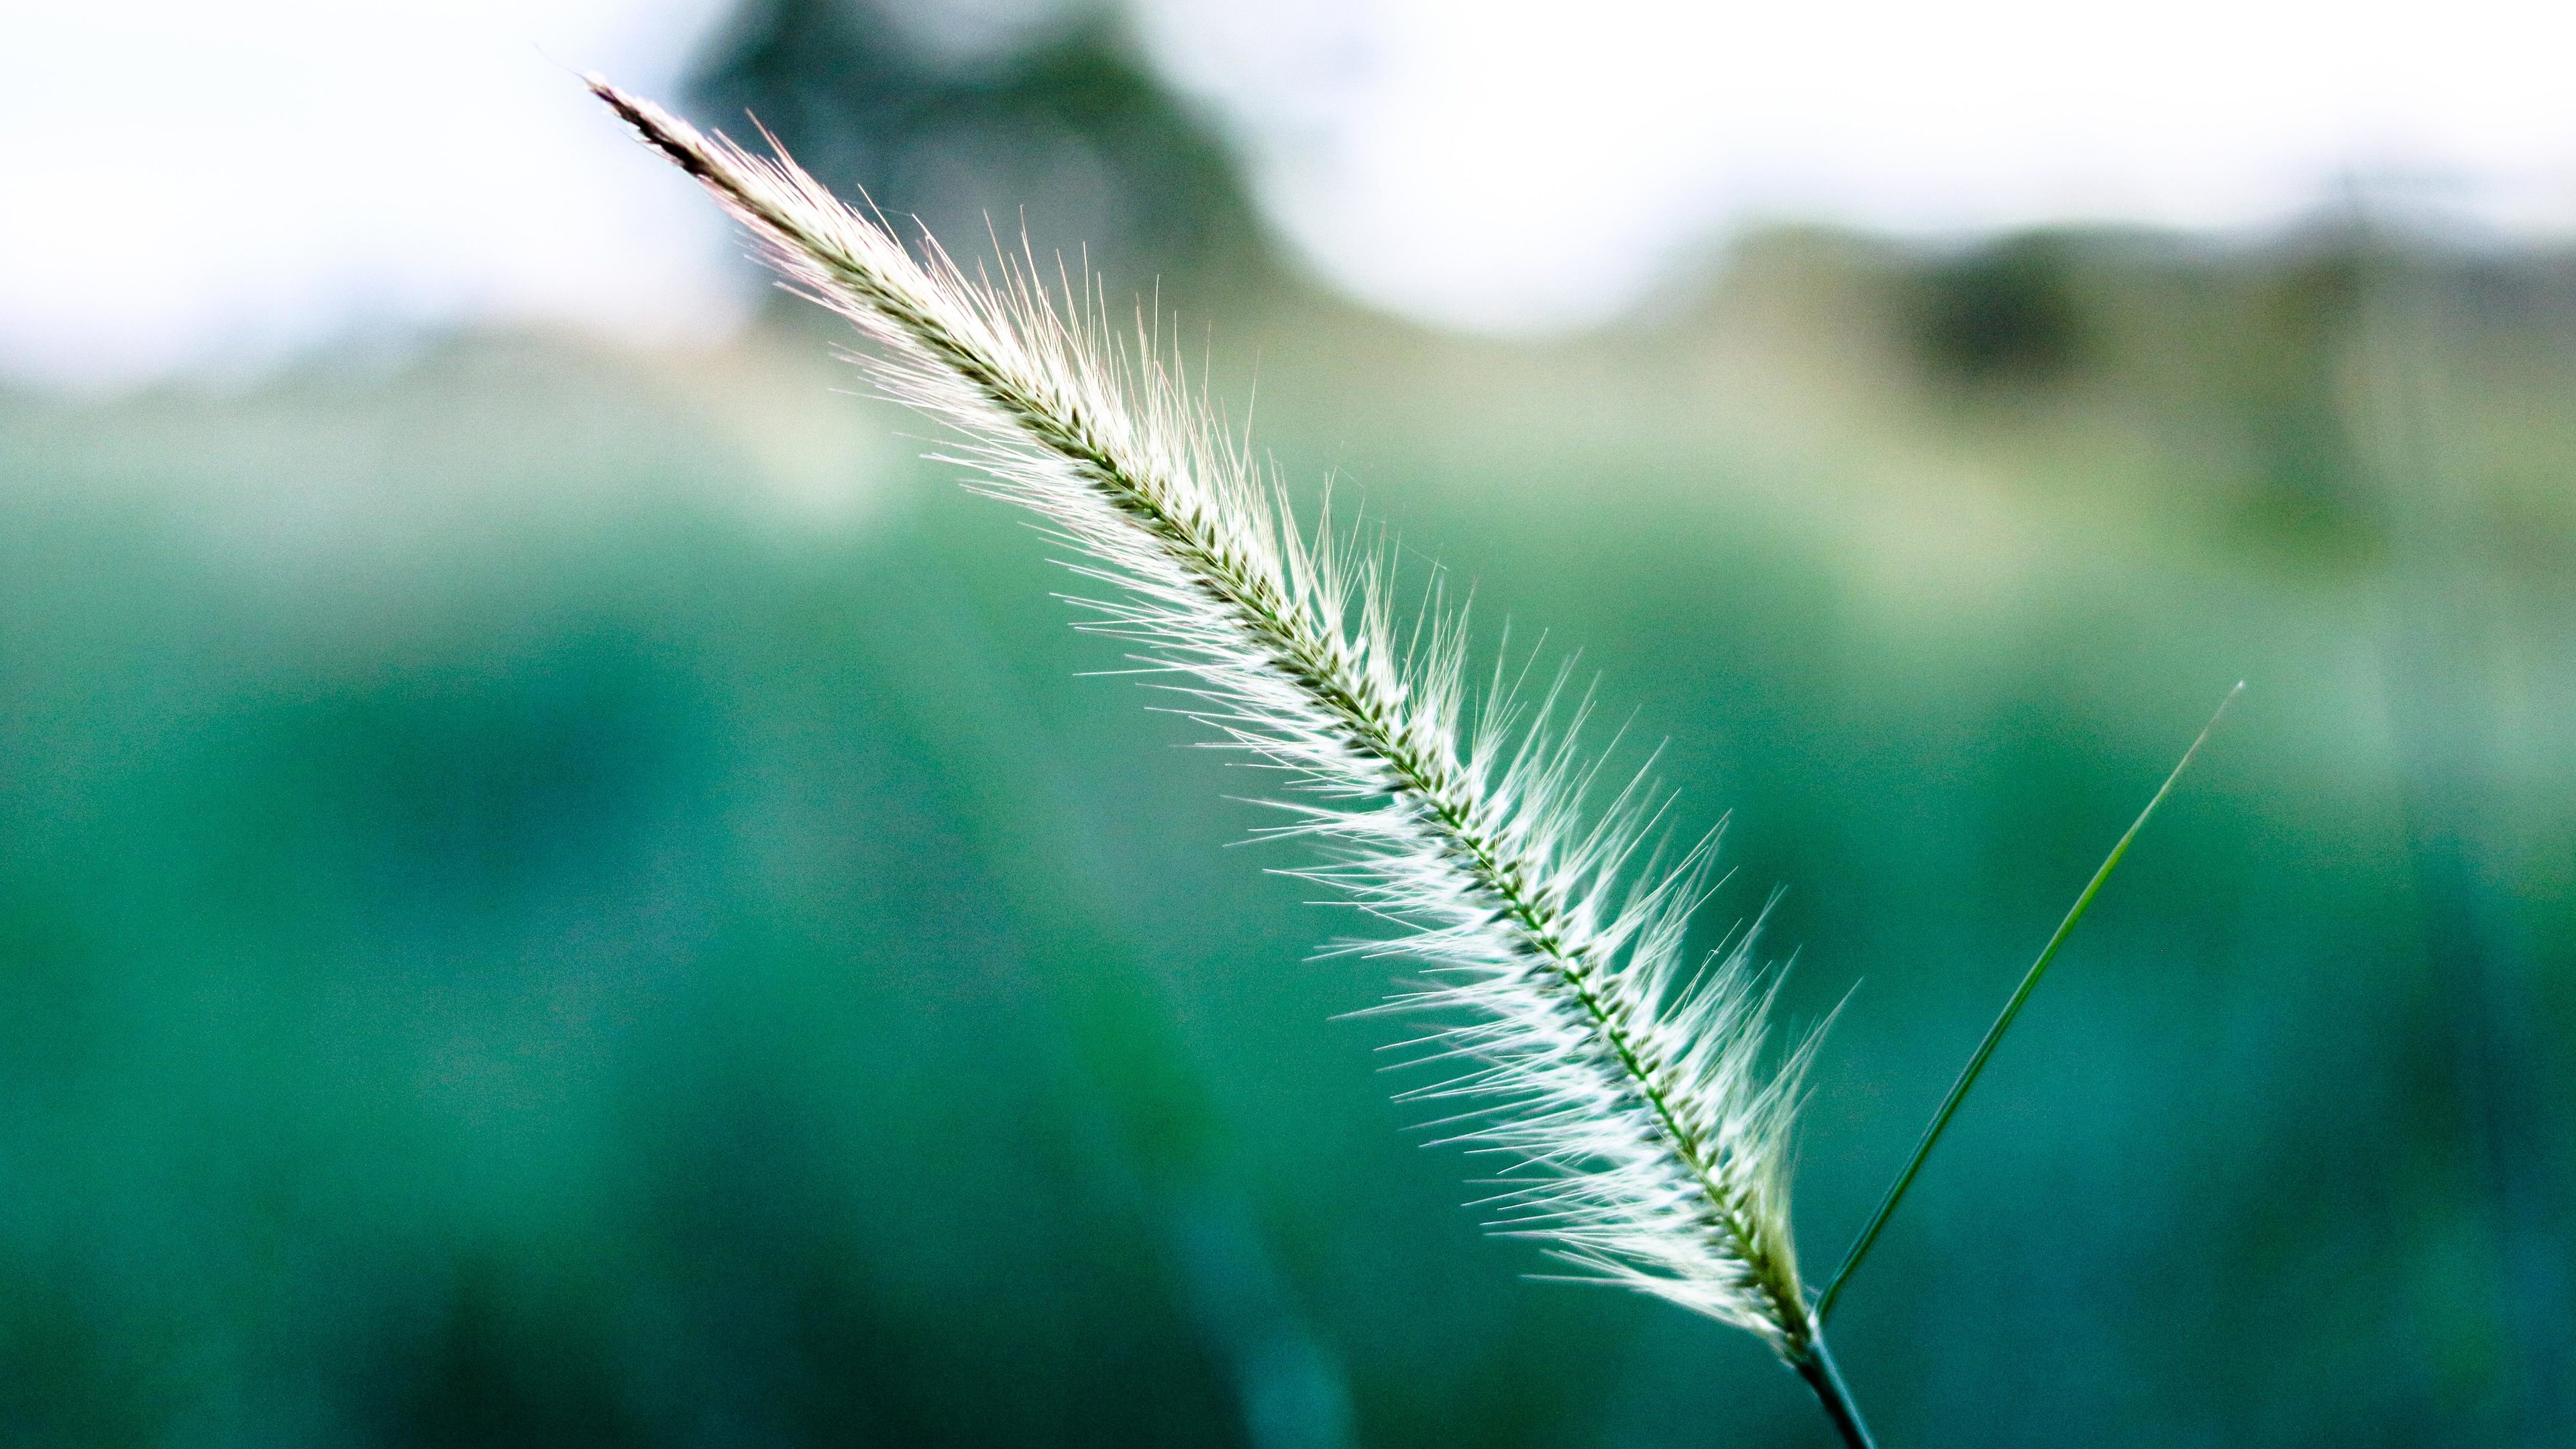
(1645, 1141)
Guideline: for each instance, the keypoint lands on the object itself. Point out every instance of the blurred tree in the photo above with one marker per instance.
(1008, 115)
(2003, 314)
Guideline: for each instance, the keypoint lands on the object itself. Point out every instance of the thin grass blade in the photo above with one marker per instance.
(2003, 1022)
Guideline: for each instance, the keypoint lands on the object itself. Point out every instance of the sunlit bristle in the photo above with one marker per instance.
(1645, 1139)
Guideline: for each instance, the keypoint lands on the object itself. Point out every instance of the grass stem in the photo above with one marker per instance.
(1826, 1378)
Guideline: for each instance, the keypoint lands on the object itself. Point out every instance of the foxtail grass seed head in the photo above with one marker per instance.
(1620, 1080)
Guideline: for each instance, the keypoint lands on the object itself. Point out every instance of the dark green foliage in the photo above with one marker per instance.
(2002, 315)
(1056, 128)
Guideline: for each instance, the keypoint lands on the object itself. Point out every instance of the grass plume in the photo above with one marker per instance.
(1647, 1142)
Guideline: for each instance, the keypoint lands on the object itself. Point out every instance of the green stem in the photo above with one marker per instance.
(1995, 1033)
(1817, 1367)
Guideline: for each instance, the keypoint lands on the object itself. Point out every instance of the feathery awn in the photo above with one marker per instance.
(1648, 1144)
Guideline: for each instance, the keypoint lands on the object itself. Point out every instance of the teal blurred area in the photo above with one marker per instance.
(556, 894)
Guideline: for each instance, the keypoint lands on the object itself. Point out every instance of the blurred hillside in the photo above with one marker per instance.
(560, 895)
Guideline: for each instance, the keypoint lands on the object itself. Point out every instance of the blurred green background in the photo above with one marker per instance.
(562, 895)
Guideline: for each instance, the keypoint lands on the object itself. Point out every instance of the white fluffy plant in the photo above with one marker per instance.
(1648, 1144)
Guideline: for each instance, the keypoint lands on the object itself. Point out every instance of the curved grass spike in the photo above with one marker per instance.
(1645, 1143)
(2003, 1022)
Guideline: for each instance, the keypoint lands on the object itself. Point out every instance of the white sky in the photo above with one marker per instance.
(195, 185)
(1495, 164)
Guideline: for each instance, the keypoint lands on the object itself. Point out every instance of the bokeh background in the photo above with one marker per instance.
(558, 888)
